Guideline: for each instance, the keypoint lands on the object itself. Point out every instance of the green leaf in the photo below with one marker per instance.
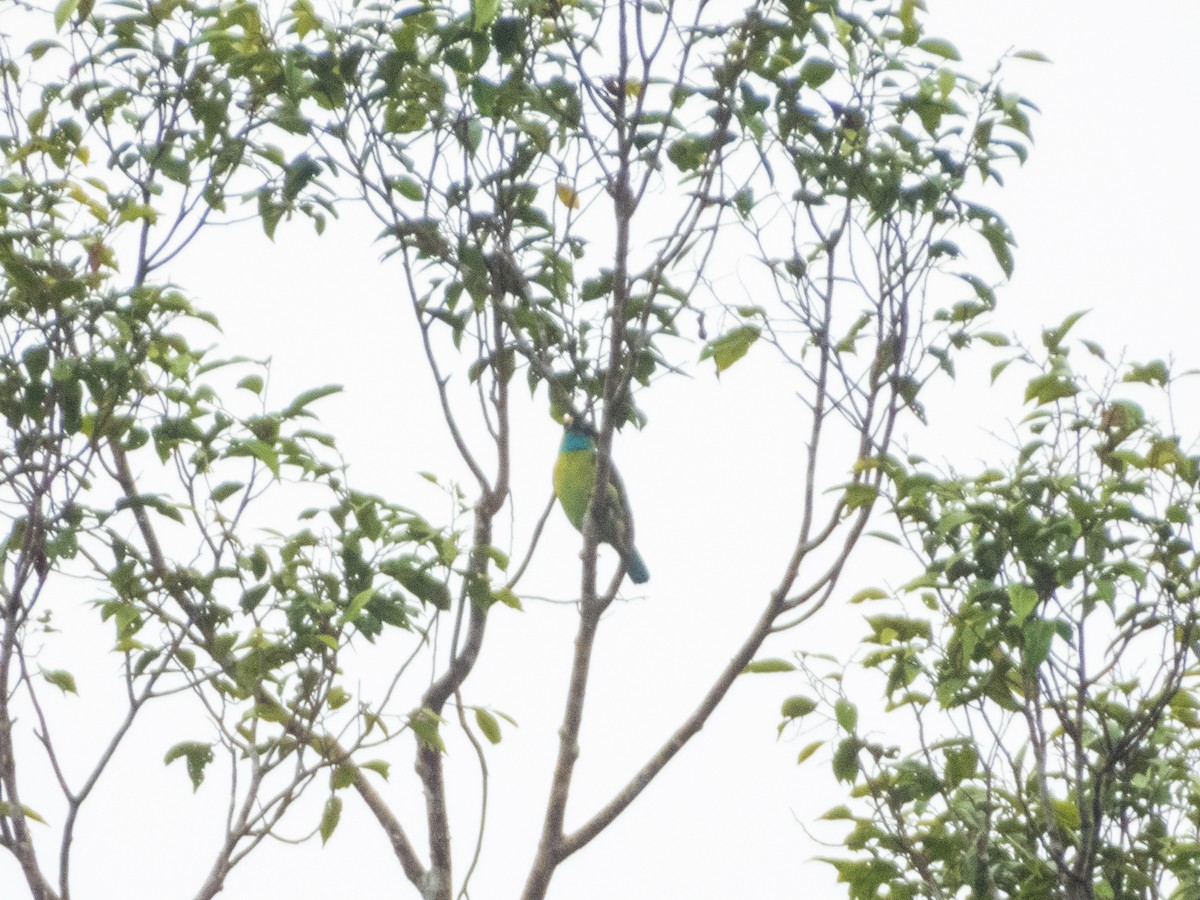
(62, 680)
(253, 596)
(409, 188)
(845, 760)
(328, 640)
(891, 627)
(487, 724)
(939, 47)
(1155, 372)
(226, 489)
(846, 714)
(1050, 387)
(860, 495)
(417, 581)
(134, 211)
(297, 406)
(731, 346)
(253, 383)
(358, 604)
(1039, 633)
(298, 174)
(498, 556)
(259, 563)
(1024, 600)
(150, 501)
(961, 763)
(270, 712)
(174, 168)
(63, 11)
(1000, 241)
(379, 767)
(342, 777)
(221, 645)
(484, 12)
(1052, 338)
(809, 750)
(838, 813)
(474, 136)
(38, 49)
(689, 152)
(595, 288)
(330, 817)
(263, 452)
(1066, 814)
(508, 35)
(797, 707)
(424, 723)
(884, 536)
(8, 811)
(197, 754)
(766, 666)
(1032, 55)
(868, 594)
(508, 598)
(71, 401)
(815, 72)
(36, 359)
(952, 520)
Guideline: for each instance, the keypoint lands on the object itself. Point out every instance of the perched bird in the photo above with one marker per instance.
(574, 481)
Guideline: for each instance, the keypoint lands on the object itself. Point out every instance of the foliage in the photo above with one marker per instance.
(558, 187)
(135, 462)
(1049, 662)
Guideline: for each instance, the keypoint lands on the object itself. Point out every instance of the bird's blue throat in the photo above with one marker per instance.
(574, 441)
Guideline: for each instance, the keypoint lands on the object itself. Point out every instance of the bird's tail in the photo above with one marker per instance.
(635, 568)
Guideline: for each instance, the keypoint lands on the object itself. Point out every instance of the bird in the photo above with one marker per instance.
(574, 482)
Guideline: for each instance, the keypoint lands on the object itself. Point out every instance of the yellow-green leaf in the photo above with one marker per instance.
(330, 817)
(508, 598)
(731, 346)
(798, 707)
(809, 750)
(63, 11)
(424, 723)
(487, 724)
(7, 811)
(62, 680)
(766, 666)
(197, 755)
(940, 47)
(568, 196)
(1066, 814)
(379, 767)
(869, 594)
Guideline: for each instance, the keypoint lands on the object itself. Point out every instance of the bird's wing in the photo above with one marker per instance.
(620, 517)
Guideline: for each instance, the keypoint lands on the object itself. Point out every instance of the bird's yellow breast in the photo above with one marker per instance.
(574, 478)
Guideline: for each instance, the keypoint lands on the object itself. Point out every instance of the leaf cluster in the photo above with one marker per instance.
(1049, 664)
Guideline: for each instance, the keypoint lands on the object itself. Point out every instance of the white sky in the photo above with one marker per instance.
(1105, 218)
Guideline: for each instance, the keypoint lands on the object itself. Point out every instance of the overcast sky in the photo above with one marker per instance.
(1105, 214)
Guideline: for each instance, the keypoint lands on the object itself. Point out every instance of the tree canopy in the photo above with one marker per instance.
(1047, 657)
(576, 202)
